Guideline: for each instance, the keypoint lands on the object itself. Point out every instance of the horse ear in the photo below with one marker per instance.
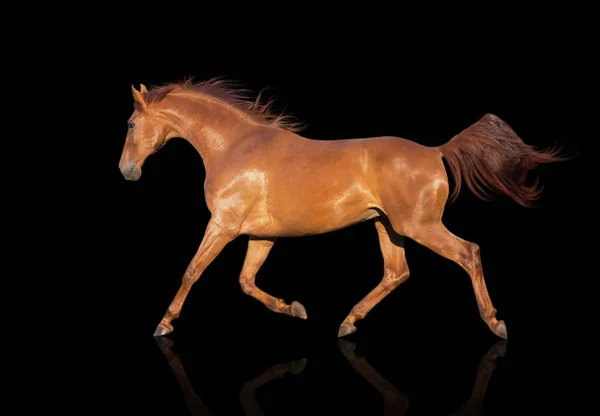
(143, 89)
(138, 97)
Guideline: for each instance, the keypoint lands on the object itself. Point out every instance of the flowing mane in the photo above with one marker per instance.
(229, 92)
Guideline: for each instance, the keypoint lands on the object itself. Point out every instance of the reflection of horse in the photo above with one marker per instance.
(395, 402)
(266, 181)
(474, 405)
(193, 402)
(248, 392)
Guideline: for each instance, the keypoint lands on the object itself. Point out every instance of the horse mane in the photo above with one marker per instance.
(229, 92)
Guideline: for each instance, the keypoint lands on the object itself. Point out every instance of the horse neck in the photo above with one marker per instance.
(212, 128)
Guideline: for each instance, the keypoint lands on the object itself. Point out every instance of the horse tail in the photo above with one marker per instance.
(489, 157)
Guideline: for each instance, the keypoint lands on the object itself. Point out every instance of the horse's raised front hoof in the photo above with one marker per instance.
(500, 330)
(298, 310)
(346, 329)
(162, 330)
(298, 366)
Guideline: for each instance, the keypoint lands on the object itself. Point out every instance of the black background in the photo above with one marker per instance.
(135, 239)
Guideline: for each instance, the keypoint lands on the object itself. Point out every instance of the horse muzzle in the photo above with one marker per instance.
(130, 171)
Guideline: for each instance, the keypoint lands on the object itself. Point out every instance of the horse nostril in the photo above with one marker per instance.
(129, 171)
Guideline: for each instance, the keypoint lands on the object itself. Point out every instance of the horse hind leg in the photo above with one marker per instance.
(435, 236)
(258, 250)
(395, 272)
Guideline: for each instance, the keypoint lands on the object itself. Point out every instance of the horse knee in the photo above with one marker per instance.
(191, 275)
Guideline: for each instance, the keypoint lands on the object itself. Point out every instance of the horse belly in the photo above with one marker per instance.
(312, 212)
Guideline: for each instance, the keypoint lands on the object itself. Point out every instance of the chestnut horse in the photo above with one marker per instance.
(266, 181)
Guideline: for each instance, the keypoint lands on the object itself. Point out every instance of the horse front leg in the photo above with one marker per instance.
(214, 240)
(258, 250)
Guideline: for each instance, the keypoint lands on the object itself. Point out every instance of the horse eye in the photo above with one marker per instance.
(130, 124)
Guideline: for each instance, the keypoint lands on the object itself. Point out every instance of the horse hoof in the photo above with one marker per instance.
(500, 330)
(346, 329)
(162, 330)
(298, 310)
(298, 366)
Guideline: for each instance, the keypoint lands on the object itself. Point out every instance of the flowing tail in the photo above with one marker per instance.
(489, 157)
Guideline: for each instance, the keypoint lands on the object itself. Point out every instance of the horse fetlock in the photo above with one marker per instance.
(358, 312)
(488, 315)
(173, 312)
(278, 306)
